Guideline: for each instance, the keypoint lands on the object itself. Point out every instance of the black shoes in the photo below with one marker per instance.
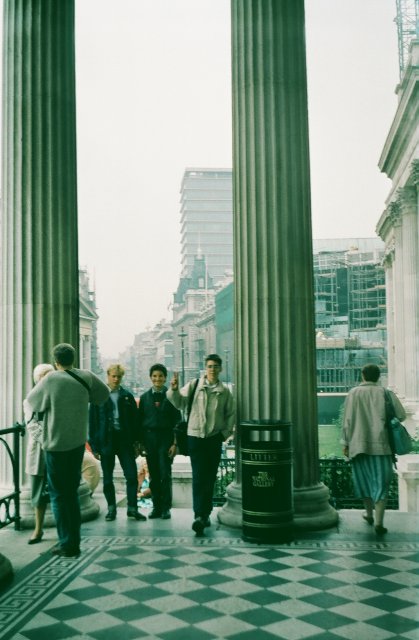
(135, 515)
(198, 525)
(111, 515)
(155, 514)
(380, 530)
(166, 515)
(36, 539)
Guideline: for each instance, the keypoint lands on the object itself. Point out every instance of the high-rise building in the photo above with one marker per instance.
(207, 220)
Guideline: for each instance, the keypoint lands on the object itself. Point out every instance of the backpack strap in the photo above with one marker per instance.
(191, 397)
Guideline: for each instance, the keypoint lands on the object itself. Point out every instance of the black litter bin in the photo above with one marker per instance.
(266, 454)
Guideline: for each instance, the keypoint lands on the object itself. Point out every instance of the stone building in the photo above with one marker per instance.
(399, 228)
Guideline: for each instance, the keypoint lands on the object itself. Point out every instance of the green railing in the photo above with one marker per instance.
(335, 473)
(10, 503)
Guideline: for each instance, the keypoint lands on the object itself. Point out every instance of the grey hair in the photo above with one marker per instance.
(40, 371)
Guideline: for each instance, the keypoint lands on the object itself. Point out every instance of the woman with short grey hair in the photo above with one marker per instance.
(35, 462)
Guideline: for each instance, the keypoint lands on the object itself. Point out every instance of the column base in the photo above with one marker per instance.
(312, 511)
(88, 507)
(6, 571)
(231, 512)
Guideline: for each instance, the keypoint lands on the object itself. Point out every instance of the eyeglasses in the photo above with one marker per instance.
(213, 366)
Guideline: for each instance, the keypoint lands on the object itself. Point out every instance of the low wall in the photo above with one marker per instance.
(408, 472)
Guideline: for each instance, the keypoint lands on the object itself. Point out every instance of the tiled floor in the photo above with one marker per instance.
(156, 580)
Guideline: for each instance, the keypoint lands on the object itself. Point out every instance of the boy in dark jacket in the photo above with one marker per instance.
(113, 430)
(157, 419)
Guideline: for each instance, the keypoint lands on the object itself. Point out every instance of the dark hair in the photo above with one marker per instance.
(158, 367)
(215, 358)
(371, 372)
(64, 354)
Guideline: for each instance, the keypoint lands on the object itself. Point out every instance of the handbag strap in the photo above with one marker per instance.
(390, 412)
(76, 377)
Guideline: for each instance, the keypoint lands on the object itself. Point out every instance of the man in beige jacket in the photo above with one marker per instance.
(211, 422)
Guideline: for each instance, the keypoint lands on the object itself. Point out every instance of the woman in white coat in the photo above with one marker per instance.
(35, 463)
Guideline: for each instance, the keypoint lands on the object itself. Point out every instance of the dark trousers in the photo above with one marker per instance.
(126, 456)
(205, 454)
(64, 473)
(157, 444)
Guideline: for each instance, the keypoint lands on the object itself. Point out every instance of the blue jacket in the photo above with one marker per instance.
(101, 422)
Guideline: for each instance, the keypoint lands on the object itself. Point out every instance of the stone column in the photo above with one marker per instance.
(410, 292)
(274, 309)
(398, 300)
(39, 253)
(388, 265)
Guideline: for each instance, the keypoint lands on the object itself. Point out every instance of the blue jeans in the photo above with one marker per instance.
(125, 453)
(205, 454)
(64, 473)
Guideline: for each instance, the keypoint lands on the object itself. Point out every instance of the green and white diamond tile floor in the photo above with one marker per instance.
(155, 580)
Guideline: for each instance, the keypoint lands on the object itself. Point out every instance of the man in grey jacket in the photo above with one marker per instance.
(63, 396)
(211, 422)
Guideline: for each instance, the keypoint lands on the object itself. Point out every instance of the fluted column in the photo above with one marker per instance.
(398, 300)
(410, 288)
(274, 310)
(39, 254)
(388, 266)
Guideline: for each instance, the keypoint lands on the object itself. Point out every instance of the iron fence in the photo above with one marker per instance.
(335, 473)
(10, 504)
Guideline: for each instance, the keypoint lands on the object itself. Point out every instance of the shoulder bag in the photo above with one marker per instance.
(399, 438)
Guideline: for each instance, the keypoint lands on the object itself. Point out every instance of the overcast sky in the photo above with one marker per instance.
(153, 97)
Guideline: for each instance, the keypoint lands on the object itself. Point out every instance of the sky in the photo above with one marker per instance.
(154, 97)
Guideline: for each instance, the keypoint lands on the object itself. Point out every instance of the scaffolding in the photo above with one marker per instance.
(407, 21)
(349, 289)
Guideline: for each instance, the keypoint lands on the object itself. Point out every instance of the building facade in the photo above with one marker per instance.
(398, 226)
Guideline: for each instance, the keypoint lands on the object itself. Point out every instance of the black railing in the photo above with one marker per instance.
(10, 504)
(335, 473)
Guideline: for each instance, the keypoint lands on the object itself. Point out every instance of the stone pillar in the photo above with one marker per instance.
(388, 265)
(398, 300)
(39, 301)
(274, 309)
(410, 292)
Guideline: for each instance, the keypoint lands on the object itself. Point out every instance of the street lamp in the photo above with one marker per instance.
(182, 335)
(226, 351)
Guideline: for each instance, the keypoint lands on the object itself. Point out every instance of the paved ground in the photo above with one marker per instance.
(155, 579)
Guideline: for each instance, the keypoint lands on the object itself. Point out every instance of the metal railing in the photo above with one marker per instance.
(335, 473)
(10, 504)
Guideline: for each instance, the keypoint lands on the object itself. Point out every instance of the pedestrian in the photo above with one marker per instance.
(35, 459)
(211, 422)
(63, 397)
(114, 432)
(157, 420)
(365, 441)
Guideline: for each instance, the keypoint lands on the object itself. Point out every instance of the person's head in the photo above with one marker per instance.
(158, 375)
(370, 373)
(40, 371)
(115, 373)
(64, 355)
(213, 367)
